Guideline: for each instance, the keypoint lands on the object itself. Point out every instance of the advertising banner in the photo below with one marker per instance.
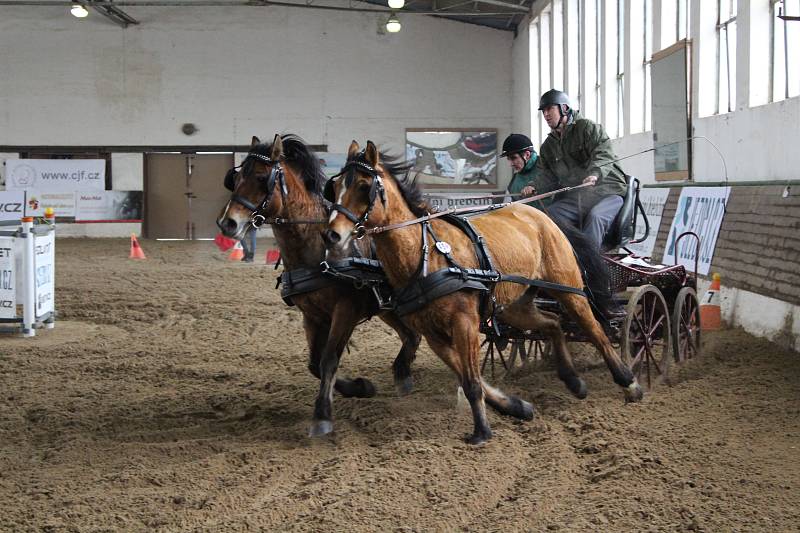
(63, 203)
(108, 206)
(12, 205)
(700, 209)
(653, 201)
(50, 175)
(444, 201)
(44, 261)
(8, 302)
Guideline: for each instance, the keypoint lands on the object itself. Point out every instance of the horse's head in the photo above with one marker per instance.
(367, 193)
(258, 186)
(358, 195)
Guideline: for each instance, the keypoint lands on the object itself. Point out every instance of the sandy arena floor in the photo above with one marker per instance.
(173, 395)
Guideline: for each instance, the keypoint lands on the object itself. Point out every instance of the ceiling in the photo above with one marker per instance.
(499, 14)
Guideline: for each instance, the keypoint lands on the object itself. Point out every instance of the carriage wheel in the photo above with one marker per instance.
(645, 336)
(686, 325)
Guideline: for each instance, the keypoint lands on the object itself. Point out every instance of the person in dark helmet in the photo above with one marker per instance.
(576, 151)
(518, 149)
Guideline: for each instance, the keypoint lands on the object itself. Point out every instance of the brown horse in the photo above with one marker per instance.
(281, 184)
(522, 241)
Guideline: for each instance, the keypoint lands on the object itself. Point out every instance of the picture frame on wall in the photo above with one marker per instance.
(453, 158)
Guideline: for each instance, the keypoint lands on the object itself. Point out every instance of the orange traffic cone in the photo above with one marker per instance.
(710, 312)
(136, 250)
(237, 253)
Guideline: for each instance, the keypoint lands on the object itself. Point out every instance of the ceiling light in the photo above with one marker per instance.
(397, 4)
(393, 25)
(78, 11)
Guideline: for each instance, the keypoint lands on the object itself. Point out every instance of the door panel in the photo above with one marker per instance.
(209, 194)
(166, 209)
(184, 194)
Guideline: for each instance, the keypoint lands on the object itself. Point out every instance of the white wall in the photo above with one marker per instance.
(234, 72)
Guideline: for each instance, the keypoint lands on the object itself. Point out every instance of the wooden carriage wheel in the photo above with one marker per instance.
(645, 340)
(686, 325)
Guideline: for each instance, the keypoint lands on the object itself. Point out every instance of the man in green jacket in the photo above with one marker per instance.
(577, 151)
(522, 157)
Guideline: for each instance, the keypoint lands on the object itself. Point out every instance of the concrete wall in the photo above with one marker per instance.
(328, 76)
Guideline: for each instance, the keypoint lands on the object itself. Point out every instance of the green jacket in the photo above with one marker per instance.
(584, 150)
(525, 176)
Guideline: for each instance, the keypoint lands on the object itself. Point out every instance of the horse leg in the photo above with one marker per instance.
(317, 335)
(342, 327)
(524, 315)
(578, 307)
(401, 368)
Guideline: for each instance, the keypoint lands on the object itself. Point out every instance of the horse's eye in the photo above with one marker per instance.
(363, 187)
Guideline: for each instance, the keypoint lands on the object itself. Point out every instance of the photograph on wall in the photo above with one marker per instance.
(331, 162)
(446, 159)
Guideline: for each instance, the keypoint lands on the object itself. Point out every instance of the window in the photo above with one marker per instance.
(620, 88)
(726, 55)
(536, 117)
(641, 49)
(558, 45)
(784, 50)
(544, 65)
(683, 20)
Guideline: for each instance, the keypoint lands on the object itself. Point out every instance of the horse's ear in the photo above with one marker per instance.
(371, 154)
(353, 150)
(277, 148)
(254, 141)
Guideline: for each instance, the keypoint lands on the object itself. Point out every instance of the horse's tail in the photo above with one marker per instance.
(596, 275)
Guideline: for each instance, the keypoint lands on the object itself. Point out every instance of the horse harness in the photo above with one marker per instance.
(424, 287)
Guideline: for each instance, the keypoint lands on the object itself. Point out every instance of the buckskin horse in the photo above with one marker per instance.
(280, 184)
(445, 273)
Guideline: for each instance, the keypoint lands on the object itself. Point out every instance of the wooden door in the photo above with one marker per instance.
(184, 193)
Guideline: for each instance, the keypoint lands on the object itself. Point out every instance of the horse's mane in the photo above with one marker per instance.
(300, 156)
(398, 169)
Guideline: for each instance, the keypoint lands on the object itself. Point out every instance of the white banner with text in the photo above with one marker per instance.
(701, 210)
(44, 262)
(48, 175)
(12, 205)
(653, 201)
(8, 302)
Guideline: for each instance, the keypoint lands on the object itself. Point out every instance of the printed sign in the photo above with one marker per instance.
(56, 174)
(44, 275)
(12, 205)
(8, 302)
(442, 202)
(109, 206)
(62, 203)
(700, 209)
(653, 201)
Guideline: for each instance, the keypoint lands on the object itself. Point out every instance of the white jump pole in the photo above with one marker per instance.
(29, 305)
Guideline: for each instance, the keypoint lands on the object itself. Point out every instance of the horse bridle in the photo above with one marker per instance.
(276, 176)
(376, 189)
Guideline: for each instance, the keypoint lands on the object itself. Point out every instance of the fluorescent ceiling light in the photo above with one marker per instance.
(78, 11)
(393, 25)
(397, 4)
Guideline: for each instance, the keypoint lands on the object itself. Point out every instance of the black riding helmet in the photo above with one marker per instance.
(516, 143)
(554, 97)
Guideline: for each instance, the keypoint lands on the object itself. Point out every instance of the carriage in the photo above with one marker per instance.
(662, 320)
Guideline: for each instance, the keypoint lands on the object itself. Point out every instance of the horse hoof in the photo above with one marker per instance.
(476, 439)
(405, 386)
(527, 410)
(319, 428)
(578, 388)
(633, 393)
(364, 388)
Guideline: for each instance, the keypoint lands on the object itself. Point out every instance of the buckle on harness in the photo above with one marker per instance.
(257, 220)
(359, 232)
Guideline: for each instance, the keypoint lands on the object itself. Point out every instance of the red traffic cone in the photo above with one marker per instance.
(710, 312)
(237, 253)
(136, 250)
(273, 255)
(224, 243)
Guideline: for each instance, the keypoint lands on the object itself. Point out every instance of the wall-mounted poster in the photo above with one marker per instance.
(109, 206)
(453, 158)
(51, 175)
(701, 210)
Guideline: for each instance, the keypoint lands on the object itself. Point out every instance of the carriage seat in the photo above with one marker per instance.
(623, 228)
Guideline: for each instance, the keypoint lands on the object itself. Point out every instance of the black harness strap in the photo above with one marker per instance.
(302, 281)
